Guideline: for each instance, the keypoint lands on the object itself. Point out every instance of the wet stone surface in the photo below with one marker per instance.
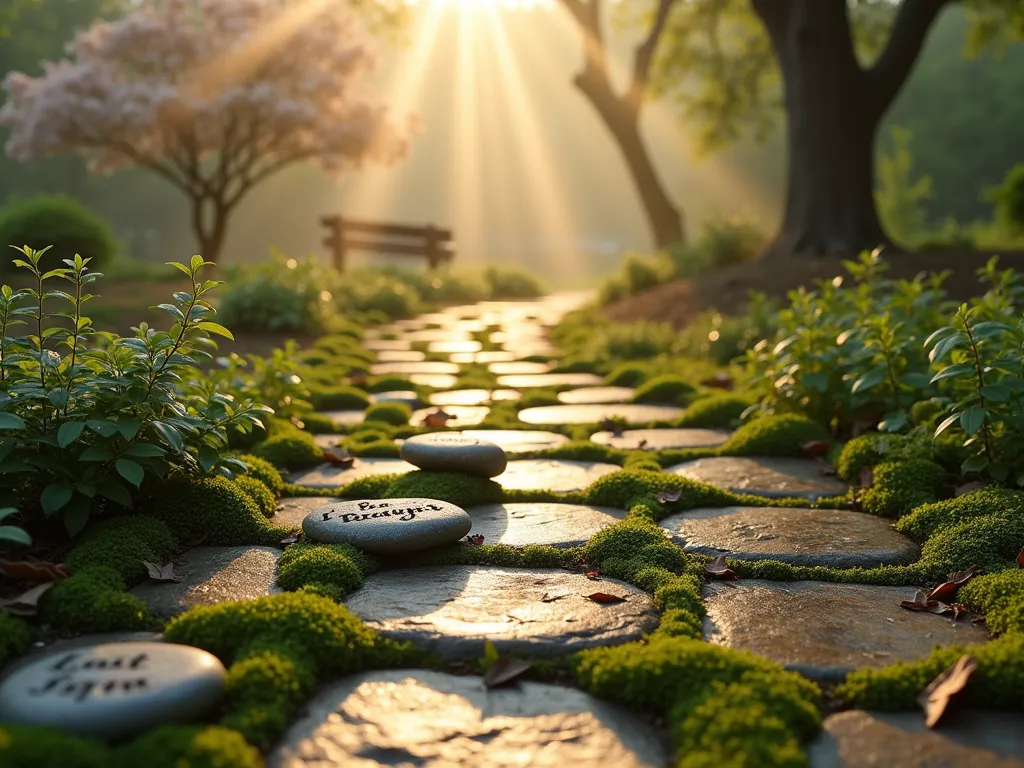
(389, 526)
(553, 474)
(344, 418)
(490, 356)
(554, 525)
(113, 690)
(527, 381)
(831, 537)
(435, 380)
(405, 369)
(407, 396)
(332, 476)
(965, 739)
(400, 356)
(773, 478)
(213, 575)
(592, 414)
(519, 441)
(453, 609)
(291, 512)
(592, 395)
(660, 439)
(825, 630)
(473, 396)
(470, 415)
(518, 367)
(453, 452)
(412, 717)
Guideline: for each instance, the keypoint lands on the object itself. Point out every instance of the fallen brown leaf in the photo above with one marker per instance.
(922, 602)
(815, 448)
(1020, 558)
(958, 610)
(162, 572)
(936, 698)
(666, 496)
(592, 575)
(476, 541)
(339, 457)
(505, 670)
(295, 538)
(32, 570)
(716, 567)
(962, 577)
(438, 418)
(27, 603)
(641, 445)
(866, 477)
(604, 597)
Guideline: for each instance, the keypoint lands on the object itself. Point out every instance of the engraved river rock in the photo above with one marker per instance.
(390, 526)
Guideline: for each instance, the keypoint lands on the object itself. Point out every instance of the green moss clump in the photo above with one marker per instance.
(369, 487)
(391, 384)
(642, 460)
(991, 542)
(317, 423)
(385, 448)
(123, 544)
(32, 746)
(259, 494)
(339, 567)
(456, 488)
(175, 746)
(632, 546)
(1000, 597)
(674, 390)
(395, 414)
(585, 450)
(714, 411)
(774, 435)
(338, 398)
(15, 638)
(264, 471)
(628, 375)
(927, 520)
(621, 489)
(290, 450)
(537, 399)
(996, 684)
(94, 600)
(213, 508)
(899, 487)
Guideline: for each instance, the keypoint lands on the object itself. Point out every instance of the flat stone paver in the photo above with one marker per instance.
(831, 537)
(518, 367)
(454, 347)
(519, 441)
(407, 396)
(438, 334)
(773, 478)
(660, 439)
(596, 395)
(329, 440)
(386, 345)
(345, 418)
(825, 630)
(400, 356)
(405, 718)
(553, 525)
(213, 575)
(468, 415)
(473, 396)
(593, 414)
(332, 476)
(490, 356)
(453, 609)
(434, 380)
(291, 512)
(530, 380)
(963, 739)
(553, 474)
(406, 369)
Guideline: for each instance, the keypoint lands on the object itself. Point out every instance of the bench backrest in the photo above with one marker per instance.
(429, 242)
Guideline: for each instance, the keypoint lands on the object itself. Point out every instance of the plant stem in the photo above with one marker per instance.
(981, 384)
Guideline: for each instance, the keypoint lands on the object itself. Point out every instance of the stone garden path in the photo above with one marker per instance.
(426, 718)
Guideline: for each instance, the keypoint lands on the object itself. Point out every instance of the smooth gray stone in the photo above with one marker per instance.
(772, 478)
(825, 631)
(552, 474)
(554, 525)
(43, 647)
(524, 381)
(388, 526)
(213, 575)
(519, 440)
(345, 418)
(405, 718)
(660, 439)
(836, 538)
(333, 476)
(596, 395)
(594, 414)
(964, 739)
(113, 690)
(453, 452)
(454, 609)
(291, 512)
(407, 396)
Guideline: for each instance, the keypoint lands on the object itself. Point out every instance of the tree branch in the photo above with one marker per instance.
(913, 21)
(644, 55)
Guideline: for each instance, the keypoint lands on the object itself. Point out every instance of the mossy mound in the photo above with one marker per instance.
(778, 435)
(991, 542)
(456, 488)
(622, 489)
(15, 638)
(391, 384)
(628, 375)
(27, 746)
(395, 414)
(259, 494)
(872, 449)
(1000, 597)
(673, 390)
(94, 600)
(927, 520)
(316, 423)
(122, 544)
(338, 398)
(290, 449)
(264, 471)
(340, 568)
(897, 488)
(714, 411)
(369, 487)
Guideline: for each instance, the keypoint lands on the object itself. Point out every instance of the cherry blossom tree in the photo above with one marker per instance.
(214, 96)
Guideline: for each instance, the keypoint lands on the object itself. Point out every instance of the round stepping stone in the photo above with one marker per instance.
(519, 441)
(390, 526)
(113, 690)
(473, 396)
(407, 396)
(212, 575)
(454, 347)
(430, 335)
(345, 418)
(518, 367)
(468, 415)
(386, 345)
(425, 718)
(453, 609)
(530, 380)
(407, 369)
(491, 356)
(552, 474)
(333, 476)
(400, 356)
(825, 631)
(772, 478)
(291, 512)
(967, 739)
(329, 440)
(592, 414)
(660, 439)
(553, 525)
(835, 538)
(453, 452)
(434, 380)
(596, 395)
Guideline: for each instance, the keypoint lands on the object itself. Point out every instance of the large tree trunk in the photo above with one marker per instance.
(210, 224)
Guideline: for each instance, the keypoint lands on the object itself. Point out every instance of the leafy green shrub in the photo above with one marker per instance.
(638, 273)
(291, 449)
(273, 381)
(454, 487)
(92, 423)
(175, 746)
(32, 746)
(722, 241)
(714, 411)
(93, 600)
(396, 414)
(504, 283)
(15, 638)
(899, 487)
(385, 290)
(665, 389)
(61, 222)
(316, 423)
(1008, 197)
(777, 435)
(390, 384)
(338, 398)
(259, 494)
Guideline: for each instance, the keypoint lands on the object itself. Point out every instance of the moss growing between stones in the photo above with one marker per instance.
(338, 567)
(368, 487)
(996, 684)
(641, 460)
(777, 435)
(384, 448)
(673, 390)
(927, 520)
(338, 398)
(259, 494)
(263, 470)
(122, 544)
(177, 746)
(583, 450)
(391, 384)
(991, 542)
(214, 509)
(290, 450)
(502, 555)
(317, 423)
(628, 375)
(885, 575)
(15, 637)
(456, 488)
(714, 411)
(537, 398)
(899, 487)
(28, 746)
(621, 489)
(395, 414)
(1000, 597)
(93, 600)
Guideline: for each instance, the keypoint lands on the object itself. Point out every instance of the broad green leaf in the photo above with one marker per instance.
(989, 329)
(145, 451)
(917, 380)
(55, 496)
(69, 432)
(951, 371)
(208, 457)
(972, 419)
(102, 427)
(10, 421)
(128, 426)
(817, 381)
(946, 346)
(169, 434)
(130, 471)
(217, 328)
(974, 464)
(996, 393)
(180, 267)
(15, 534)
(95, 453)
(894, 422)
(946, 424)
(77, 515)
(939, 334)
(113, 490)
(867, 381)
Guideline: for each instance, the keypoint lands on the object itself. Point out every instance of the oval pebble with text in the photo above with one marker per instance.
(388, 526)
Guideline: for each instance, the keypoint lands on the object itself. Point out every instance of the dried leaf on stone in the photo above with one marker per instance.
(592, 575)
(866, 477)
(27, 603)
(922, 602)
(339, 457)
(815, 448)
(32, 570)
(476, 541)
(1020, 558)
(505, 670)
(935, 699)
(295, 538)
(438, 418)
(716, 567)
(962, 577)
(604, 597)
(642, 445)
(669, 496)
(162, 572)
(958, 610)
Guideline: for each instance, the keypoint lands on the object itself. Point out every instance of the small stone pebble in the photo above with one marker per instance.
(453, 452)
(389, 526)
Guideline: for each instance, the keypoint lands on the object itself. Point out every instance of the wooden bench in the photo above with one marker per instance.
(344, 235)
